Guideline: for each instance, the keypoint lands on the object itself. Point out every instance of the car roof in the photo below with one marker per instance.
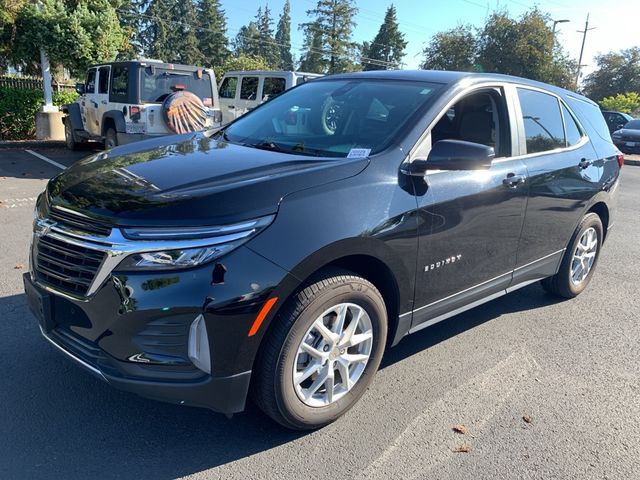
(451, 77)
(147, 63)
(272, 72)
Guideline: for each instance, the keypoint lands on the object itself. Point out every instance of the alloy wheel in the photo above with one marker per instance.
(333, 355)
(584, 256)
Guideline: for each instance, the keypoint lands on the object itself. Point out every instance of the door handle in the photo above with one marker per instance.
(512, 180)
(231, 107)
(104, 102)
(584, 163)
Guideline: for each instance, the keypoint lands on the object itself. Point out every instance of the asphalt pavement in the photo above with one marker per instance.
(543, 388)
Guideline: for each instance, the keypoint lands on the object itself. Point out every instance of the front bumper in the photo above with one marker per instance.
(150, 314)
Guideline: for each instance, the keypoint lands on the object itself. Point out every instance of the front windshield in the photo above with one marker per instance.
(333, 118)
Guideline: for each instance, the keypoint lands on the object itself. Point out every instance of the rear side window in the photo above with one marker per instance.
(103, 80)
(543, 126)
(273, 86)
(120, 82)
(90, 84)
(228, 87)
(574, 133)
(249, 88)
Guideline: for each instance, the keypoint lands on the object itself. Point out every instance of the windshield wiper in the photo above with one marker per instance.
(268, 145)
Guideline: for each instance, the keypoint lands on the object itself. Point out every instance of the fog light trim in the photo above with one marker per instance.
(198, 350)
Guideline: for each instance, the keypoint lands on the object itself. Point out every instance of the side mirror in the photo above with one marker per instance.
(80, 88)
(454, 155)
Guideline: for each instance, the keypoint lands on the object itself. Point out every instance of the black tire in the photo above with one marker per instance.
(69, 137)
(110, 138)
(273, 387)
(561, 284)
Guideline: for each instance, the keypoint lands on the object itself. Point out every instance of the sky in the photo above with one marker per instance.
(617, 22)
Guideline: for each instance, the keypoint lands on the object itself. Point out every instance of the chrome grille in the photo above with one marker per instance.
(77, 221)
(66, 266)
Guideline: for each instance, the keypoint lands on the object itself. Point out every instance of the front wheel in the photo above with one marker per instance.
(69, 137)
(322, 353)
(579, 261)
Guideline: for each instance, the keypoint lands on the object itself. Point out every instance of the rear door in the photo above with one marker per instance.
(248, 98)
(272, 87)
(564, 174)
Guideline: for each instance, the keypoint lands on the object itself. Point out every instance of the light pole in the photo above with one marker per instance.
(555, 22)
(584, 38)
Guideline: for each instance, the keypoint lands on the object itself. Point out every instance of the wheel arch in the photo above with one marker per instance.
(113, 118)
(601, 209)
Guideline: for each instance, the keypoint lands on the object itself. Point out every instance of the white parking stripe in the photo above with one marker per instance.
(48, 160)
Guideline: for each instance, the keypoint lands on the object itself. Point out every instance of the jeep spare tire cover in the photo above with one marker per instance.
(184, 112)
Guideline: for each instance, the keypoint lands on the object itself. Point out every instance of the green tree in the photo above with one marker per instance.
(387, 48)
(333, 26)
(212, 29)
(8, 12)
(283, 38)
(523, 47)
(453, 49)
(617, 72)
(75, 37)
(132, 25)
(267, 47)
(622, 102)
(171, 33)
(247, 40)
(240, 62)
(313, 61)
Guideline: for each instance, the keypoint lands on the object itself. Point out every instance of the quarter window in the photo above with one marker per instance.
(90, 84)
(273, 86)
(574, 135)
(120, 81)
(249, 88)
(228, 87)
(103, 80)
(543, 125)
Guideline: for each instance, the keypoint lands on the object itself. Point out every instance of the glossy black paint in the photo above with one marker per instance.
(431, 243)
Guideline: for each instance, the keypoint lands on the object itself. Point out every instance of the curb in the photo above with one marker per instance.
(628, 161)
(21, 144)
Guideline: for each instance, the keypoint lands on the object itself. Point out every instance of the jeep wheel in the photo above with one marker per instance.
(579, 261)
(110, 138)
(69, 137)
(322, 353)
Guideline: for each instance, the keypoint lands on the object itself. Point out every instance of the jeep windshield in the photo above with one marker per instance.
(158, 83)
(333, 118)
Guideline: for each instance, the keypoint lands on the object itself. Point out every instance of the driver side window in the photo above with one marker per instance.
(480, 117)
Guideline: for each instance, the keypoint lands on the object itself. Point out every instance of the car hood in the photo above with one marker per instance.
(189, 180)
(628, 132)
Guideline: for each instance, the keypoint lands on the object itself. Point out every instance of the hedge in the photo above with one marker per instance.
(18, 108)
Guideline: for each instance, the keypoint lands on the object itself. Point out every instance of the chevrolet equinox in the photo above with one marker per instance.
(279, 256)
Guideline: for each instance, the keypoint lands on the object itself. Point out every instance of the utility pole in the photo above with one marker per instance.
(584, 37)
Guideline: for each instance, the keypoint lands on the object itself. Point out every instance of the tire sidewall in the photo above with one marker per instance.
(290, 406)
(110, 139)
(591, 220)
(68, 135)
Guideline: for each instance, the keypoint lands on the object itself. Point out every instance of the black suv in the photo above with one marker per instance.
(281, 254)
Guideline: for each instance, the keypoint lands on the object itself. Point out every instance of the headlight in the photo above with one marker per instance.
(188, 247)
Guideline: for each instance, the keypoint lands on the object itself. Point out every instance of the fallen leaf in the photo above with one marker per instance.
(460, 429)
(464, 448)
(527, 418)
(18, 267)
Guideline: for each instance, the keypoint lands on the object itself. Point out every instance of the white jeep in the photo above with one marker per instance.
(122, 102)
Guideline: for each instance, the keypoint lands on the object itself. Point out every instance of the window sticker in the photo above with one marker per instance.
(359, 153)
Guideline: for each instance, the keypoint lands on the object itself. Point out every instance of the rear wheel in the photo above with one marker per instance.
(579, 261)
(322, 353)
(69, 137)
(110, 138)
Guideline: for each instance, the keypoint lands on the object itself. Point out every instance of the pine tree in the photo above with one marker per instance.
(267, 47)
(247, 40)
(283, 38)
(334, 23)
(212, 27)
(387, 48)
(313, 60)
(171, 33)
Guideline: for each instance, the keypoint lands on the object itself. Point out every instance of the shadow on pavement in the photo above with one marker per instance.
(58, 421)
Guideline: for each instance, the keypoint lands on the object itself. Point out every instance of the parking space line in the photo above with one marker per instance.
(48, 160)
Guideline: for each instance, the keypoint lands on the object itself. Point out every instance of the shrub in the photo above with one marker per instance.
(18, 108)
(622, 102)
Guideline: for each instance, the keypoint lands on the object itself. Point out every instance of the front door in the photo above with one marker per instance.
(249, 98)
(470, 221)
(89, 104)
